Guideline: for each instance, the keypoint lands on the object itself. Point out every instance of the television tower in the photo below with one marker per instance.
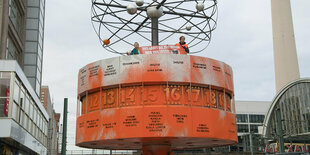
(285, 56)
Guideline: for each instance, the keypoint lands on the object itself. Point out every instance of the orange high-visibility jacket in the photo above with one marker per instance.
(183, 47)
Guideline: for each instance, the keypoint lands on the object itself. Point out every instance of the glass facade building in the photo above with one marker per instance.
(34, 42)
(250, 117)
(24, 117)
(247, 128)
(247, 123)
(294, 104)
(21, 35)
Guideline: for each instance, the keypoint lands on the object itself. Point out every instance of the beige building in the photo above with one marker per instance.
(53, 123)
(13, 30)
(21, 36)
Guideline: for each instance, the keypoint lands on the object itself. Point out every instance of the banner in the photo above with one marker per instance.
(162, 49)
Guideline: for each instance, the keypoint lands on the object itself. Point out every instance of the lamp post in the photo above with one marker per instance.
(251, 143)
(280, 130)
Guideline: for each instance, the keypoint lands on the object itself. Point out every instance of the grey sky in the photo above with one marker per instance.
(243, 39)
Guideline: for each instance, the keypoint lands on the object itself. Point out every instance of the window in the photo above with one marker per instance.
(4, 107)
(21, 117)
(15, 113)
(4, 87)
(242, 128)
(29, 59)
(254, 128)
(34, 115)
(242, 118)
(26, 103)
(33, 131)
(31, 110)
(15, 16)
(31, 47)
(30, 71)
(46, 128)
(32, 12)
(40, 122)
(257, 118)
(41, 126)
(11, 52)
(25, 122)
(33, 3)
(29, 125)
(37, 132)
(16, 93)
(32, 35)
(22, 98)
(32, 23)
(4, 94)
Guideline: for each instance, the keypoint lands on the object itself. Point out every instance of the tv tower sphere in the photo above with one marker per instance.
(151, 22)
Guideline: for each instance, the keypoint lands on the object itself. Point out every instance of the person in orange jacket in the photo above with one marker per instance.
(183, 44)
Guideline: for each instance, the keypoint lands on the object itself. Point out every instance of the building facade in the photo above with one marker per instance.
(250, 117)
(293, 103)
(21, 33)
(23, 119)
(34, 42)
(53, 123)
(12, 30)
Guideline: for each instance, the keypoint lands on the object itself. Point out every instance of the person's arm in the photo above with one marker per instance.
(132, 52)
(186, 49)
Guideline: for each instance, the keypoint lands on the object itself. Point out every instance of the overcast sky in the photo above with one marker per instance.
(243, 40)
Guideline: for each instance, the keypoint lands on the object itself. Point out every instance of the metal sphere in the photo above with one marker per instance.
(106, 41)
(139, 2)
(152, 12)
(188, 28)
(131, 9)
(175, 18)
(200, 6)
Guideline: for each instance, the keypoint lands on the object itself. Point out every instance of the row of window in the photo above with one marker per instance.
(250, 118)
(24, 110)
(15, 16)
(246, 128)
(11, 52)
(34, 42)
(28, 114)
